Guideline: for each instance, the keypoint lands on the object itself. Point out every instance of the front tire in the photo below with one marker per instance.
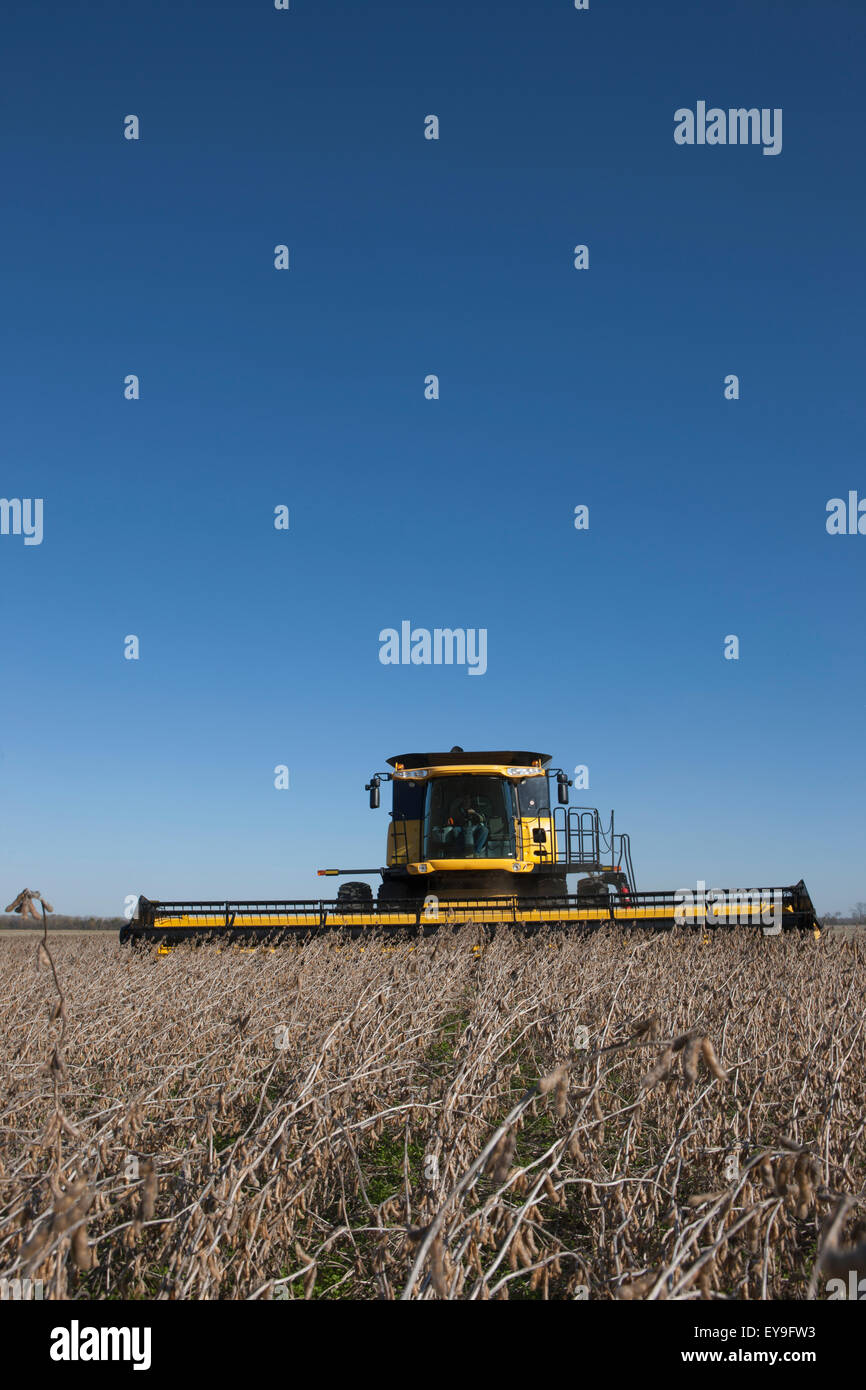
(400, 892)
(355, 894)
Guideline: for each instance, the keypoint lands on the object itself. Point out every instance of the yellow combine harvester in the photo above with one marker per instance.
(475, 838)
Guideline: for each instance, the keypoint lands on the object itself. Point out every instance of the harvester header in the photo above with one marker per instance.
(476, 837)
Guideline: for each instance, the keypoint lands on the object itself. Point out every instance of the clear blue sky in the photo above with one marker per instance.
(306, 387)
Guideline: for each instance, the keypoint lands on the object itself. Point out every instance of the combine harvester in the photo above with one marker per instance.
(474, 838)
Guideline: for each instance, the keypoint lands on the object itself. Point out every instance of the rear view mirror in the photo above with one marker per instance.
(373, 788)
(562, 786)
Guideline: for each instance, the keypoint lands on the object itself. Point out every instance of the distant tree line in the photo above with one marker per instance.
(856, 916)
(58, 922)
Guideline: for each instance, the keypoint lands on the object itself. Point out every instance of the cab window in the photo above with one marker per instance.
(533, 797)
(408, 800)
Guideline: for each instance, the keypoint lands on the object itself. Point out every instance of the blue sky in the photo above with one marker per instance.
(306, 388)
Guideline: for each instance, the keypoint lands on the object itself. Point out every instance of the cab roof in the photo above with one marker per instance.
(458, 757)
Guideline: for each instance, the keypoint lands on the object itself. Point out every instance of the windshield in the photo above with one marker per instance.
(469, 817)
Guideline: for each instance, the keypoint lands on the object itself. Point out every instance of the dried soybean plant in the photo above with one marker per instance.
(563, 1116)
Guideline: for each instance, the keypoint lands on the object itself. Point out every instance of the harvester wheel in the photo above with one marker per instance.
(359, 894)
(398, 893)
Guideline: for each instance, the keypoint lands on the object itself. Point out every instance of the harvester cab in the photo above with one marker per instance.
(484, 825)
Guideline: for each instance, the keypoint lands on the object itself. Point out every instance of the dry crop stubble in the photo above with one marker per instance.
(428, 1121)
